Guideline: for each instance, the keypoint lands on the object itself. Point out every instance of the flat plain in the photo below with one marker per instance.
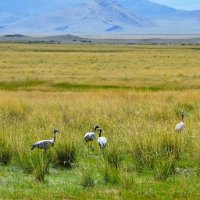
(134, 92)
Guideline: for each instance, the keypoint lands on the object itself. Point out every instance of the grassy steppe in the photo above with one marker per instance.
(135, 93)
(53, 67)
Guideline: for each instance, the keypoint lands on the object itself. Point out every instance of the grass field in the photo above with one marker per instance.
(135, 93)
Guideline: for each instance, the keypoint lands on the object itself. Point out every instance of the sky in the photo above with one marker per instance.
(15, 5)
(181, 4)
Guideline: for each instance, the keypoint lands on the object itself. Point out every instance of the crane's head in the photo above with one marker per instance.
(182, 113)
(56, 131)
(96, 127)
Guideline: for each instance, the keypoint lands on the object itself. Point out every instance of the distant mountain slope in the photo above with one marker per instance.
(153, 10)
(96, 16)
(148, 9)
(167, 20)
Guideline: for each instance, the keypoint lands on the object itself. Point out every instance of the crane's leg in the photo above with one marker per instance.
(92, 146)
(89, 145)
(46, 162)
(42, 161)
(101, 153)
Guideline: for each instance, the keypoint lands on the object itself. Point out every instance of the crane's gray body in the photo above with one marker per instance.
(45, 144)
(90, 136)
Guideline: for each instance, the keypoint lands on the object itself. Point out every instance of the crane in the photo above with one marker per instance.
(46, 144)
(180, 126)
(89, 136)
(102, 141)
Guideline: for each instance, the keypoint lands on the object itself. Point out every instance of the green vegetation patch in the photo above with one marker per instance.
(70, 86)
(20, 85)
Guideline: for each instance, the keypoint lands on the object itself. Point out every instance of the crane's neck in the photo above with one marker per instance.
(183, 118)
(100, 132)
(54, 137)
(95, 129)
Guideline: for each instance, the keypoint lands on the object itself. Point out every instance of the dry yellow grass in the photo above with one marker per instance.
(171, 67)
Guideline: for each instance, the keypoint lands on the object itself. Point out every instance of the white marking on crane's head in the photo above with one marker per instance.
(182, 113)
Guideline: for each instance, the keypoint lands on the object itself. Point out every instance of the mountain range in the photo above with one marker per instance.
(95, 17)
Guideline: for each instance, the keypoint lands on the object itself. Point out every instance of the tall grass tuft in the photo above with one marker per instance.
(196, 154)
(144, 153)
(87, 179)
(65, 155)
(111, 175)
(36, 163)
(170, 149)
(14, 111)
(113, 156)
(164, 167)
(5, 153)
(27, 161)
(159, 154)
(188, 108)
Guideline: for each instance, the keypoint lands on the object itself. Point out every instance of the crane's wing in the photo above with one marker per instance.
(89, 136)
(102, 141)
(43, 144)
(179, 127)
